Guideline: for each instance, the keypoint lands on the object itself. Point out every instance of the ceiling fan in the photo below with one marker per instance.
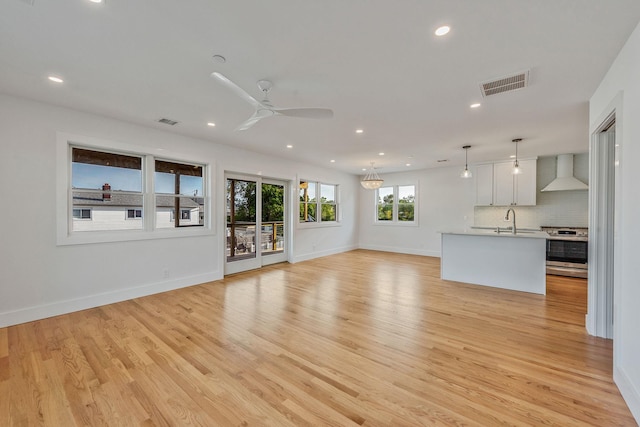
(265, 109)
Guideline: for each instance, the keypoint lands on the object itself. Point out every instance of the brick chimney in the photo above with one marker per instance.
(106, 196)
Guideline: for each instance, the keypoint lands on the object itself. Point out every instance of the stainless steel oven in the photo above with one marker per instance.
(567, 251)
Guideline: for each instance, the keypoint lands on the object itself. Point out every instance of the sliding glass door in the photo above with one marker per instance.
(256, 227)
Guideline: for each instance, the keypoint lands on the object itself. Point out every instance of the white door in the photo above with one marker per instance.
(256, 229)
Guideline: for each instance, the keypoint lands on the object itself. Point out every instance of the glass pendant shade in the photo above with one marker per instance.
(371, 180)
(466, 173)
(516, 165)
(516, 168)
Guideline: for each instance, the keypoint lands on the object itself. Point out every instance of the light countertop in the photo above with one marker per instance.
(527, 234)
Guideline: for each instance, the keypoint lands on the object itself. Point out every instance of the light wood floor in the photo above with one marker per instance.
(362, 338)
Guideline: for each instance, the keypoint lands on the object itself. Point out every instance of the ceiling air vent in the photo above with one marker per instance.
(505, 84)
(168, 122)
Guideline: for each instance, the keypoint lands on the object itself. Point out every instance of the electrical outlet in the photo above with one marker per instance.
(165, 273)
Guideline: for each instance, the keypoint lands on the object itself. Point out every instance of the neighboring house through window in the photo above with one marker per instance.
(179, 188)
(106, 184)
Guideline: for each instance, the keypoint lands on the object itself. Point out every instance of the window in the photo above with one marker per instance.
(396, 204)
(102, 185)
(134, 213)
(185, 214)
(318, 202)
(179, 188)
(108, 193)
(82, 214)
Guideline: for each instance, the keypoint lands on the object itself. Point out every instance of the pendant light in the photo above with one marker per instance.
(516, 165)
(466, 173)
(371, 180)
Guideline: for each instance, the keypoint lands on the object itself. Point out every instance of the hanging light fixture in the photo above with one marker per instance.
(371, 180)
(516, 165)
(466, 173)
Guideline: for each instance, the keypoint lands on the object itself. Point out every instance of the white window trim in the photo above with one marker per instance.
(64, 217)
(394, 222)
(320, 223)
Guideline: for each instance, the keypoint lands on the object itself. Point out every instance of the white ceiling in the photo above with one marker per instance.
(376, 63)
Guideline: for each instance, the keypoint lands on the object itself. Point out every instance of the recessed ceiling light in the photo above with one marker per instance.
(289, 146)
(513, 156)
(332, 161)
(56, 79)
(408, 164)
(359, 130)
(211, 124)
(219, 59)
(441, 31)
(476, 105)
(96, 1)
(364, 169)
(381, 154)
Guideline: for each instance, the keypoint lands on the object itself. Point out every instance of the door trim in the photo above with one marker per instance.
(259, 260)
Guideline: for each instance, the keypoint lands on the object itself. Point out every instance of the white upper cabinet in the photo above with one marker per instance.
(484, 185)
(524, 193)
(497, 186)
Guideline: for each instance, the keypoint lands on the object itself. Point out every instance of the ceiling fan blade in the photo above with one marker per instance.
(308, 113)
(237, 89)
(255, 118)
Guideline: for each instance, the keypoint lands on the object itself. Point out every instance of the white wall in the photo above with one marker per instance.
(445, 202)
(623, 76)
(39, 279)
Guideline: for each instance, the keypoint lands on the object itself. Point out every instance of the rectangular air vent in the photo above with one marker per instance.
(505, 84)
(168, 122)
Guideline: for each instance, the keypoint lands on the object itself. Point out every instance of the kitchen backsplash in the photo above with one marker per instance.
(554, 208)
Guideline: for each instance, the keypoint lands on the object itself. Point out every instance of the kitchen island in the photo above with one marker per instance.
(501, 260)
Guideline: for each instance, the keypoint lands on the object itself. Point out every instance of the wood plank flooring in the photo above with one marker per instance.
(362, 338)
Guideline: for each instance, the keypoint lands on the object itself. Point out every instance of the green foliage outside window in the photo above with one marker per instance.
(310, 204)
(406, 208)
(388, 210)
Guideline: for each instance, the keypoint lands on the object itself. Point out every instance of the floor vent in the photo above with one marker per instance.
(505, 84)
(168, 122)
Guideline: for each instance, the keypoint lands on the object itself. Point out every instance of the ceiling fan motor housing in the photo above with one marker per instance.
(265, 85)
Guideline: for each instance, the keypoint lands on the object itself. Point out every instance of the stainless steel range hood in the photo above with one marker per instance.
(565, 180)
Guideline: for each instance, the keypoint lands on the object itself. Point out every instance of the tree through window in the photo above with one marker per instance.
(396, 204)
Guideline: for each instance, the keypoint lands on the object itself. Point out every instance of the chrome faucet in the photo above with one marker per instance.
(506, 218)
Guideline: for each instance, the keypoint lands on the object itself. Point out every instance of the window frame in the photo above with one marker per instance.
(318, 205)
(394, 221)
(64, 193)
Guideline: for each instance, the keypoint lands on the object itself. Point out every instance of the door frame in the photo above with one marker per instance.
(601, 318)
(259, 260)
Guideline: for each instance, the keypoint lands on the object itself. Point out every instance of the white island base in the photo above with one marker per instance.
(516, 262)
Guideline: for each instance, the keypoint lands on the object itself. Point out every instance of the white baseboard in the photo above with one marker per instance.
(629, 392)
(401, 250)
(43, 311)
(312, 255)
(588, 325)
